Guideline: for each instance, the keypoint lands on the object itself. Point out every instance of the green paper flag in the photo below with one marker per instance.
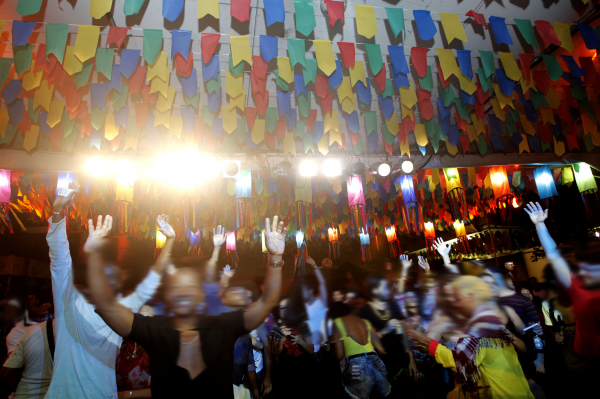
(213, 86)
(395, 17)
(208, 118)
(5, 64)
(430, 127)
(487, 60)
(22, 57)
(240, 131)
(309, 71)
(538, 99)
(374, 56)
(192, 101)
(28, 7)
(282, 84)
(33, 114)
(486, 84)
(9, 135)
(578, 92)
(462, 109)
(589, 144)
(104, 61)
(82, 77)
(132, 6)
(590, 107)
(510, 123)
(296, 52)
(553, 68)
(120, 100)
(387, 136)
(153, 40)
(300, 129)
(305, 16)
(426, 82)
(447, 95)
(389, 89)
(358, 148)
(481, 144)
(526, 30)
(309, 144)
(68, 124)
(304, 104)
(229, 144)
(371, 122)
(235, 70)
(56, 40)
(97, 118)
(271, 116)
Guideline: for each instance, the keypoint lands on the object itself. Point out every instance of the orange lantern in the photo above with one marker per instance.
(393, 242)
(334, 248)
(499, 181)
(390, 232)
(429, 230)
(333, 234)
(459, 228)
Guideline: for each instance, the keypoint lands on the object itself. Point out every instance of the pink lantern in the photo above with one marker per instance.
(230, 246)
(358, 214)
(5, 223)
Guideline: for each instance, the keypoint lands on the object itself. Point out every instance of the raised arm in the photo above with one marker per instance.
(117, 316)
(406, 263)
(219, 236)
(559, 264)
(321, 279)
(444, 249)
(164, 259)
(275, 243)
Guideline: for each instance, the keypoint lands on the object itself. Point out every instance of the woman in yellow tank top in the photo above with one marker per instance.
(364, 373)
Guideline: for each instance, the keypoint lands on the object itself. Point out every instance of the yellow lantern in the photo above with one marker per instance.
(333, 234)
(160, 239)
(459, 228)
(390, 232)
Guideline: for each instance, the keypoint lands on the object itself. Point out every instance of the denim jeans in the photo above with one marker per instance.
(365, 375)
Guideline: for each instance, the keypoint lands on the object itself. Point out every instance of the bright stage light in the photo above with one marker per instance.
(124, 171)
(98, 167)
(184, 169)
(407, 167)
(308, 168)
(332, 167)
(384, 169)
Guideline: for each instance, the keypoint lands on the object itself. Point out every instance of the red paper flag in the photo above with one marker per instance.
(418, 56)
(82, 111)
(480, 96)
(479, 110)
(545, 134)
(184, 67)
(479, 18)
(72, 96)
(25, 124)
(250, 115)
(58, 76)
(310, 121)
(141, 114)
(525, 65)
(262, 101)
(327, 103)
(136, 80)
(116, 35)
(116, 142)
(260, 66)
(388, 149)
(408, 124)
(380, 78)
(443, 81)
(572, 141)
(208, 45)
(40, 57)
(86, 128)
(257, 85)
(240, 10)
(546, 31)
(541, 80)
(270, 139)
(587, 64)
(348, 53)
(461, 123)
(280, 129)
(425, 106)
(563, 111)
(146, 96)
(465, 143)
(569, 97)
(322, 86)
(335, 11)
(354, 137)
(56, 136)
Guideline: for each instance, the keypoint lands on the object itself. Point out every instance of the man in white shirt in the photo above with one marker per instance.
(33, 353)
(314, 292)
(86, 348)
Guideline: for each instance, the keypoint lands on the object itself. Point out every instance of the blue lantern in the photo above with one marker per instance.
(545, 182)
(408, 189)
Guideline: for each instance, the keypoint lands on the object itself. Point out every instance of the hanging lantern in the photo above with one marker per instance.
(358, 214)
(365, 245)
(5, 190)
(262, 236)
(303, 196)
(455, 194)
(461, 235)
(161, 239)
(243, 195)
(429, 229)
(230, 246)
(499, 181)
(584, 178)
(194, 238)
(334, 248)
(544, 180)
(393, 242)
(412, 214)
(299, 238)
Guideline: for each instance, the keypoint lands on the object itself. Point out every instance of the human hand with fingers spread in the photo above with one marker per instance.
(219, 236)
(94, 241)
(275, 237)
(442, 247)
(536, 213)
(164, 226)
(424, 264)
(62, 201)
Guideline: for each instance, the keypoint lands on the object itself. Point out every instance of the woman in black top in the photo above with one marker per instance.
(191, 356)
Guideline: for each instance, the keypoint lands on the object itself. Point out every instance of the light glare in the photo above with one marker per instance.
(332, 167)
(98, 167)
(308, 168)
(407, 167)
(384, 169)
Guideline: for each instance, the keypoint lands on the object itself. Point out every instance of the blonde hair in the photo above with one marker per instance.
(473, 285)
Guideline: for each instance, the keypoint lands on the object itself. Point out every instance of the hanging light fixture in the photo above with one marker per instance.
(231, 169)
(381, 169)
(459, 229)
(332, 167)
(544, 180)
(356, 169)
(393, 242)
(429, 230)
(282, 169)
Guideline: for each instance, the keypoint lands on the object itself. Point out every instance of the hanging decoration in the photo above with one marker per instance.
(365, 245)
(358, 214)
(455, 195)
(461, 235)
(230, 246)
(412, 213)
(502, 193)
(161, 239)
(393, 242)
(586, 183)
(5, 190)
(303, 197)
(334, 248)
(243, 195)
(429, 229)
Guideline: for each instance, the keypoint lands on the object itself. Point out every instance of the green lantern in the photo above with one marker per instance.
(584, 177)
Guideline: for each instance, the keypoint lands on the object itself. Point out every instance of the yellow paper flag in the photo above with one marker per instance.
(159, 69)
(547, 115)
(55, 113)
(325, 57)
(31, 79)
(392, 124)
(452, 28)
(4, 118)
(502, 99)
(289, 145)
(43, 96)
(71, 63)
(31, 138)
(2, 23)
(452, 149)
(160, 86)
(175, 126)
(510, 66)
(472, 133)
(467, 85)
(497, 109)
(239, 101)
(408, 97)
(357, 73)
(166, 103)
(162, 118)
(110, 128)
(230, 123)
(421, 134)
(407, 112)
(99, 8)
(344, 90)
(335, 136)
(559, 147)
(285, 69)
(448, 63)
(258, 131)
(404, 146)
(86, 42)
(240, 49)
(348, 105)
(330, 121)
(527, 84)
(563, 31)
(234, 84)
(366, 24)
(323, 144)
(552, 98)
(524, 146)
(206, 7)
(478, 123)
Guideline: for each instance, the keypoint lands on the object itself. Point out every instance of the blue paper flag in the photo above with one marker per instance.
(516, 138)
(500, 30)
(534, 143)
(117, 79)
(496, 142)
(299, 86)
(284, 102)
(425, 25)
(129, 62)
(181, 42)
(98, 92)
(364, 92)
(12, 90)
(336, 77)
(121, 116)
(387, 107)
(464, 60)
(211, 70)
(274, 11)
(454, 135)
(423, 149)
(97, 135)
(372, 142)
(290, 118)
(507, 86)
(574, 69)
(217, 128)
(444, 111)
(590, 37)
(398, 59)
(352, 121)
(172, 9)
(400, 79)
(44, 126)
(268, 47)
(467, 98)
(495, 123)
(15, 111)
(272, 185)
(445, 124)
(189, 84)
(318, 131)
(21, 32)
(188, 114)
(214, 102)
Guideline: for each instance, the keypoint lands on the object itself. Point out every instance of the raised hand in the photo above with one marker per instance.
(310, 261)
(219, 236)
(275, 237)
(101, 230)
(164, 226)
(61, 202)
(406, 262)
(536, 213)
(441, 246)
(227, 272)
(424, 264)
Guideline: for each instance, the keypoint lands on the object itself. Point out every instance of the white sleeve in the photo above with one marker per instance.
(17, 357)
(143, 292)
(60, 265)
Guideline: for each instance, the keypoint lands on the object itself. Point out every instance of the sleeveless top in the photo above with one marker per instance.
(351, 347)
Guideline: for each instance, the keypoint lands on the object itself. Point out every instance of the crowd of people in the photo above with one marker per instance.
(409, 329)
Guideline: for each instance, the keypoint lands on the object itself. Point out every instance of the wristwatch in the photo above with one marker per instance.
(277, 264)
